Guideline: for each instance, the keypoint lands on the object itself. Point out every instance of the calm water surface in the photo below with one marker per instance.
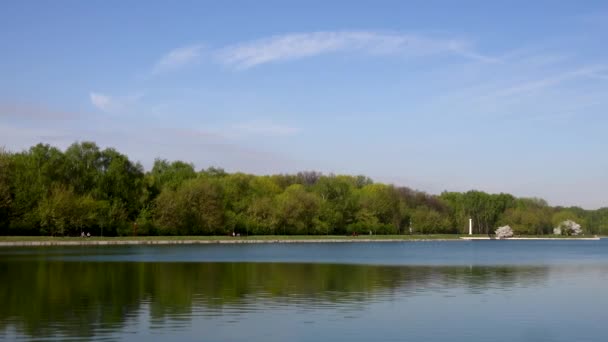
(403, 291)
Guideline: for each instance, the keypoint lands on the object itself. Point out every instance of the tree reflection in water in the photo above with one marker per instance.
(50, 298)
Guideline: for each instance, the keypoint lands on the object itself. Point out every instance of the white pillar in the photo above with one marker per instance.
(470, 226)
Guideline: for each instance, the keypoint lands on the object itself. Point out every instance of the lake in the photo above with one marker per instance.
(401, 291)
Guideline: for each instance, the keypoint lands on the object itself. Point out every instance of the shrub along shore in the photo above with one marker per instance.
(49, 192)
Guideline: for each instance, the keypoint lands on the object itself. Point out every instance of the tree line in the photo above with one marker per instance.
(47, 191)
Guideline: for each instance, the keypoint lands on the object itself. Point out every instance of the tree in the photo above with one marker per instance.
(379, 209)
(308, 178)
(597, 221)
(568, 227)
(261, 216)
(171, 175)
(64, 213)
(44, 190)
(83, 165)
(237, 198)
(33, 174)
(5, 191)
(213, 171)
(566, 215)
(197, 207)
(339, 204)
(527, 220)
(259, 213)
(428, 221)
(120, 181)
(296, 210)
(485, 209)
(457, 210)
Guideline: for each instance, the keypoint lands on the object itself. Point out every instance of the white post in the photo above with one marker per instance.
(470, 226)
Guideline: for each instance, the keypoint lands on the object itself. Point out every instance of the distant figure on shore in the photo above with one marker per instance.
(81, 234)
(233, 234)
(88, 234)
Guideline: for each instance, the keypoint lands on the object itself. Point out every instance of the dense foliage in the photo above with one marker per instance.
(46, 191)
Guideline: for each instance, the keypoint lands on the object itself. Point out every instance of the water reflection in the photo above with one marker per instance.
(85, 299)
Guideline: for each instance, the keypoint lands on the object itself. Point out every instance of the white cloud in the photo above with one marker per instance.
(177, 58)
(101, 101)
(113, 104)
(300, 45)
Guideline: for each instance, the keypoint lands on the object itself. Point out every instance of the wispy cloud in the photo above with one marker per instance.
(300, 45)
(533, 85)
(177, 58)
(600, 76)
(32, 111)
(112, 104)
(264, 128)
(252, 128)
(198, 146)
(101, 101)
(537, 84)
(16, 138)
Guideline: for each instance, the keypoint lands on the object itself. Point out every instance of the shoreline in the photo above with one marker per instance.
(465, 238)
(206, 240)
(199, 242)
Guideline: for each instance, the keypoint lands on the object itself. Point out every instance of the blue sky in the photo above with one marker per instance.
(435, 95)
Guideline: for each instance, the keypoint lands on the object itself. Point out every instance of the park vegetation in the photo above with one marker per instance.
(47, 191)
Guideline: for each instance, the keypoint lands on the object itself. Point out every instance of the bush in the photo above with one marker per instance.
(504, 232)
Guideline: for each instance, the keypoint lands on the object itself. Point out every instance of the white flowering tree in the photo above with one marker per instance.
(568, 227)
(504, 232)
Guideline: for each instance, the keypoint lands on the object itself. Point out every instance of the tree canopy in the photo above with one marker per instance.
(47, 191)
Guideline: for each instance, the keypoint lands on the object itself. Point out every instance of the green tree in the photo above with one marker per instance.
(260, 208)
(197, 207)
(296, 211)
(597, 221)
(171, 175)
(46, 191)
(528, 218)
(339, 204)
(120, 181)
(5, 191)
(379, 209)
(34, 173)
(64, 213)
(428, 221)
(83, 166)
